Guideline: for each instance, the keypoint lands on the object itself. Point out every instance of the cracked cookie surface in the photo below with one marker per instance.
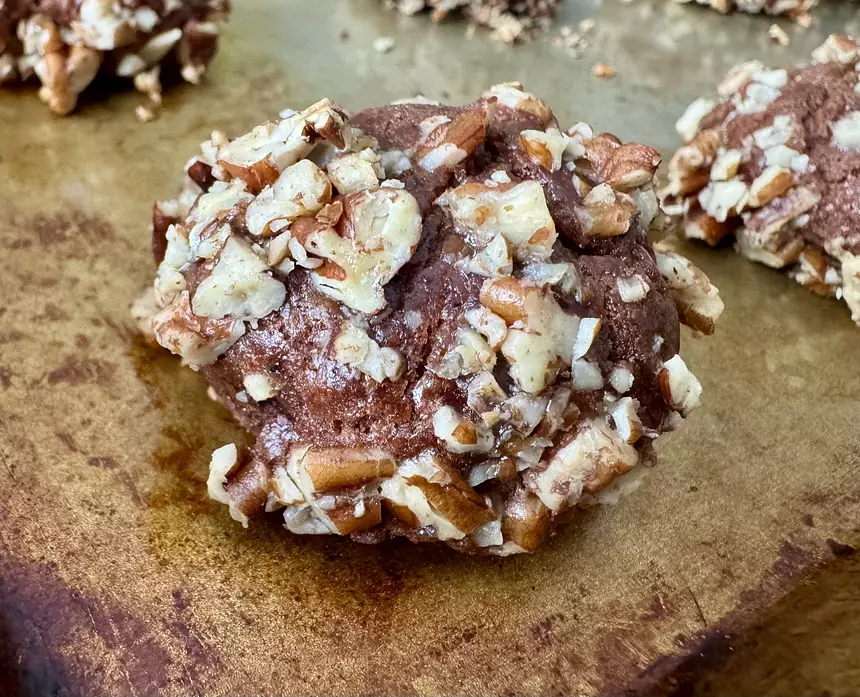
(444, 323)
(775, 163)
(66, 44)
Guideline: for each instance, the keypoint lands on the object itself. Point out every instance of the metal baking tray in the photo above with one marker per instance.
(119, 577)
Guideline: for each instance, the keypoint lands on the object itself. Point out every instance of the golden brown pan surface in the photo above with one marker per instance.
(120, 577)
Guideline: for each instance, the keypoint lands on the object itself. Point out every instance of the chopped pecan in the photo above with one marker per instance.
(606, 213)
(453, 141)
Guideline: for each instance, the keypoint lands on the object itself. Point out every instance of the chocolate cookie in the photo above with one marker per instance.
(510, 20)
(775, 162)
(796, 9)
(67, 43)
(445, 323)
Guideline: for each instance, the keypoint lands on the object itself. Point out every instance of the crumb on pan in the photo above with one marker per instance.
(603, 70)
(576, 42)
(776, 35)
(383, 44)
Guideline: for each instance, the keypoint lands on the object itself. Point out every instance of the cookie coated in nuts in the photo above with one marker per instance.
(438, 322)
(798, 10)
(774, 161)
(66, 44)
(511, 21)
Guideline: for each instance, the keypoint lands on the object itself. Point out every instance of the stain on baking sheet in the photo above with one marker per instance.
(619, 650)
(661, 605)
(78, 369)
(180, 454)
(107, 463)
(839, 549)
(67, 236)
(52, 313)
(182, 466)
(68, 440)
(52, 230)
(202, 658)
(675, 674)
(10, 336)
(125, 331)
(42, 619)
(149, 363)
(807, 644)
(791, 561)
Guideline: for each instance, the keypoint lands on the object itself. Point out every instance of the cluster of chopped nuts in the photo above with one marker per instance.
(576, 42)
(350, 234)
(798, 10)
(67, 49)
(510, 20)
(522, 400)
(774, 171)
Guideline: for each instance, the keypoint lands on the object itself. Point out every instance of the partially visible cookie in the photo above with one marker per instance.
(796, 9)
(66, 44)
(775, 162)
(510, 20)
(439, 322)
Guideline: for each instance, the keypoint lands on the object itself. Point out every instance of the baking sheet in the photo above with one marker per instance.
(117, 574)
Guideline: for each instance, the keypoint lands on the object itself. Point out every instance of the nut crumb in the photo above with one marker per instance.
(603, 70)
(804, 19)
(144, 113)
(776, 35)
(383, 44)
(575, 43)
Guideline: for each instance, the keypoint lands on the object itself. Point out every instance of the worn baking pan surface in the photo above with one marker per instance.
(120, 577)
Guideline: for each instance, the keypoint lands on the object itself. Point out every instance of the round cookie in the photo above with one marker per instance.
(445, 323)
(510, 20)
(796, 9)
(775, 162)
(65, 44)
